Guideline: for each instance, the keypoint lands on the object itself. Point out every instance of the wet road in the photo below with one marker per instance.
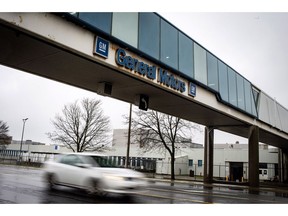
(24, 185)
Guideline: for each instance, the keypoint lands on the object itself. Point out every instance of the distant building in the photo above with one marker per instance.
(120, 139)
(230, 160)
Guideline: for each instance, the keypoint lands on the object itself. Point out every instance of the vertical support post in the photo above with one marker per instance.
(208, 154)
(280, 164)
(283, 165)
(254, 156)
(129, 134)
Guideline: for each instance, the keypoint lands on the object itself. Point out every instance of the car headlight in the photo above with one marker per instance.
(113, 177)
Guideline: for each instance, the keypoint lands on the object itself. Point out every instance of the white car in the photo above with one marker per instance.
(92, 173)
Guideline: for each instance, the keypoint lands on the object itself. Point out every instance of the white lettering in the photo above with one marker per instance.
(102, 47)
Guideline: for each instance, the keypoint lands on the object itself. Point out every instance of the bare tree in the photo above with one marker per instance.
(158, 131)
(82, 127)
(5, 139)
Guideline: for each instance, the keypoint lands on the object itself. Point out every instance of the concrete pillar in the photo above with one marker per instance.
(208, 154)
(280, 165)
(254, 156)
(283, 165)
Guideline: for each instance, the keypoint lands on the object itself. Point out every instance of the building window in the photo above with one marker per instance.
(138, 160)
(232, 87)
(133, 161)
(125, 27)
(199, 163)
(256, 94)
(149, 34)
(212, 71)
(186, 58)
(101, 21)
(223, 81)
(240, 92)
(200, 64)
(169, 45)
(247, 93)
(263, 166)
(190, 162)
(254, 103)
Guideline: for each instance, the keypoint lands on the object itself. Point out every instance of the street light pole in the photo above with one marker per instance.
(24, 120)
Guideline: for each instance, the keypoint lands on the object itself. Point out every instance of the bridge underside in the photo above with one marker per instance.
(30, 54)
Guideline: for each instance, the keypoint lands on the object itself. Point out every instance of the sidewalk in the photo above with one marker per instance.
(275, 187)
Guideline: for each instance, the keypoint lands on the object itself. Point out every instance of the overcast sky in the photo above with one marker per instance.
(253, 44)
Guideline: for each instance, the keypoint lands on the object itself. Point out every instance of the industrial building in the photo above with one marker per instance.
(230, 160)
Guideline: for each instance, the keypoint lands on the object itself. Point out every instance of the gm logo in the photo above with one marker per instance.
(101, 47)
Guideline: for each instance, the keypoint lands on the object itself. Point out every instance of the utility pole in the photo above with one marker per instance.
(129, 134)
(24, 120)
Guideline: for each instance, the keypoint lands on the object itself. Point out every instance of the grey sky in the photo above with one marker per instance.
(254, 44)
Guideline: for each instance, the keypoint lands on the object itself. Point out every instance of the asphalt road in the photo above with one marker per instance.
(24, 185)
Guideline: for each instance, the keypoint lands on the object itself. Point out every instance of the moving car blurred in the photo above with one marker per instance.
(93, 173)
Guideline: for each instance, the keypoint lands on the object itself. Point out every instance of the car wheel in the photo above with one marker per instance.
(51, 181)
(94, 188)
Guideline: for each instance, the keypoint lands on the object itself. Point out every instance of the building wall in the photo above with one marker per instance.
(180, 168)
(188, 159)
(120, 138)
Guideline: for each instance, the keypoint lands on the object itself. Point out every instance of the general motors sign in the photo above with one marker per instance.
(101, 47)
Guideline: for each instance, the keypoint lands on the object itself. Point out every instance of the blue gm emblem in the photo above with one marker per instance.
(192, 89)
(102, 47)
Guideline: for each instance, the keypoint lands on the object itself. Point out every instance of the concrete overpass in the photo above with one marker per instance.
(107, 53)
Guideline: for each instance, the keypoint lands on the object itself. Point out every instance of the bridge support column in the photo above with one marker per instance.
(208, 154)
(254, 156)
(283, 165)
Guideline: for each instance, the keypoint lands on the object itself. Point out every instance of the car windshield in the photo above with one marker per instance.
(103, 161)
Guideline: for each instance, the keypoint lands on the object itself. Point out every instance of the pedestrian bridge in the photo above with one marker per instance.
(141, 57)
